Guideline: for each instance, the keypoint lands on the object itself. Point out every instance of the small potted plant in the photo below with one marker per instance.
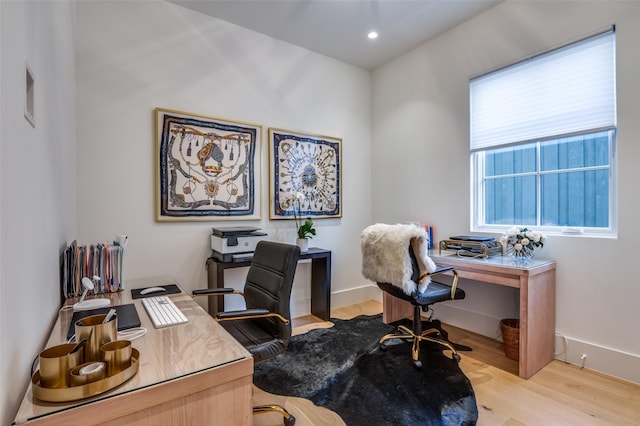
(305, 231)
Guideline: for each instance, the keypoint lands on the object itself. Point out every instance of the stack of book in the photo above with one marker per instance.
(429, 230)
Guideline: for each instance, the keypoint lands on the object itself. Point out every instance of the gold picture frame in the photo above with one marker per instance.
(308, 164)
(207, 168)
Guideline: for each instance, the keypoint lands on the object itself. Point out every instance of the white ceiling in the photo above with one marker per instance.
(339, 28)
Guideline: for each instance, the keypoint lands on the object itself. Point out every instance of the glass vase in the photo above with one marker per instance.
(519, 256)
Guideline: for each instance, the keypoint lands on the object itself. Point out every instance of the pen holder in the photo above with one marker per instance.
(96, 333)
(116, 355)
(55, 363)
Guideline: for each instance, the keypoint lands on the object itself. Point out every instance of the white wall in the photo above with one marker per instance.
(175, 58)
(37, 182)
(421, 133)
(179, 59)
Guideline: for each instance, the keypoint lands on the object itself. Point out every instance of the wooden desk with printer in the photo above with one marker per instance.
(232, 248)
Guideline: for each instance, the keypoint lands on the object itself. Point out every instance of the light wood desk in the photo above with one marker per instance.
(537, 284)
(192, 373)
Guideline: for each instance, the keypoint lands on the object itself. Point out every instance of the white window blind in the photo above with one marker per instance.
(568, 90)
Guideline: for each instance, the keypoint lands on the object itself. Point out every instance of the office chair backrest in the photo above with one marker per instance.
(415, 269)
(269, 283)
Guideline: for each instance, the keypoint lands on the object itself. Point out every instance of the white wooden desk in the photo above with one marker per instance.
(537, 283)
(189, 374)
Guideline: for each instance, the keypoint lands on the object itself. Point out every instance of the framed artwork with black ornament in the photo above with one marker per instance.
(206, 168)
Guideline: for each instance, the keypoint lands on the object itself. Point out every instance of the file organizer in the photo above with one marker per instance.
(102, 260)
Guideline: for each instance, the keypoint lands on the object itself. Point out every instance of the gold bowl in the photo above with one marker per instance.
(73, 393)
(87, 373)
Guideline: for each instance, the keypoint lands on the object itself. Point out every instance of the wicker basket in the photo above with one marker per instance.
(511, 337)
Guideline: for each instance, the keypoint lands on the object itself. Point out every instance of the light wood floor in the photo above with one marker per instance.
(560, 394)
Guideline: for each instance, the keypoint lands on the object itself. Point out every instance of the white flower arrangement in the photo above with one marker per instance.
(294, 200)
(521, 241)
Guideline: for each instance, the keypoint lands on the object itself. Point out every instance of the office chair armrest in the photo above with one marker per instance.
(249, 314)
(241, 313)
(215, 292)
(440, 269)
(454, 285)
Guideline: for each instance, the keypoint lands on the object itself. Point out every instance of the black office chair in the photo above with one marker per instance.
(264, 327)
(384, 258)
(435, 292)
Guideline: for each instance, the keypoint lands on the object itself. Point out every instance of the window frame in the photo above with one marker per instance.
(478, 179)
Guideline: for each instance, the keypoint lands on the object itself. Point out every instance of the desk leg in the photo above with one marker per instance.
(394, 309)
(321, 287)
(537, 322)
(215, 273)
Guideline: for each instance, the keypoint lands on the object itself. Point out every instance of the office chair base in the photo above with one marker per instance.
(289, 419)
(405, 333)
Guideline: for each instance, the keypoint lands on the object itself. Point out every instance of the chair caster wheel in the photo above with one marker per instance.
(417, 365)
(456, 357)
(290, 421)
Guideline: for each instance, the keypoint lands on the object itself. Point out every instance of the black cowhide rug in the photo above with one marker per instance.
(343, 369)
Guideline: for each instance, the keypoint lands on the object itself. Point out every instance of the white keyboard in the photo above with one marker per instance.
(163, 312)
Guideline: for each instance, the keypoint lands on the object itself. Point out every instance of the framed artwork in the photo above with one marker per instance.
(206, 168)
(309, 166)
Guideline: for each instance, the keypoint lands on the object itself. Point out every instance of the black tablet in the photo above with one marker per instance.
(127, 317)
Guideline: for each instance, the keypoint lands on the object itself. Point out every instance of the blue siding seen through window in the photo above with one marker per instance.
(567, 177)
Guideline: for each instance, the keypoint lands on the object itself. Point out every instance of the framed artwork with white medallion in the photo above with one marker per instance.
(309, 166)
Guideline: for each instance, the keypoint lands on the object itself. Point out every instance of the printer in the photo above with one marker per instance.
(235, 242)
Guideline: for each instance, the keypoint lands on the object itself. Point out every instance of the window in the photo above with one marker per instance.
(543, 142)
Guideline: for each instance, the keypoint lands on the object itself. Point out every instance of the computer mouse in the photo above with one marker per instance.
(152, 290)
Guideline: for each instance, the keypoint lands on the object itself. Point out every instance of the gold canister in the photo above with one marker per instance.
(55, 363)
(88, 372)
(96, 333)
(116, 355)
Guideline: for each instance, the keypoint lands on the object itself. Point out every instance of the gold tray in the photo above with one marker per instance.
(73, 393)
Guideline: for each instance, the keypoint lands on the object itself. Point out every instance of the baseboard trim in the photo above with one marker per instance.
(355, 295)
(352, 296)
(608, 361)
(472, 321)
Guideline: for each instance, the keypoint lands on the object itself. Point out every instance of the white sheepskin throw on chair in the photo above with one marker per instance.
(386, 258)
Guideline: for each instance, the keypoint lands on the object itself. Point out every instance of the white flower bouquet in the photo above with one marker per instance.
(520, 242)
(294, 200)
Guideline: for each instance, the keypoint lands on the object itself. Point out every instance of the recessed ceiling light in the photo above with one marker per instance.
(372, 35)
